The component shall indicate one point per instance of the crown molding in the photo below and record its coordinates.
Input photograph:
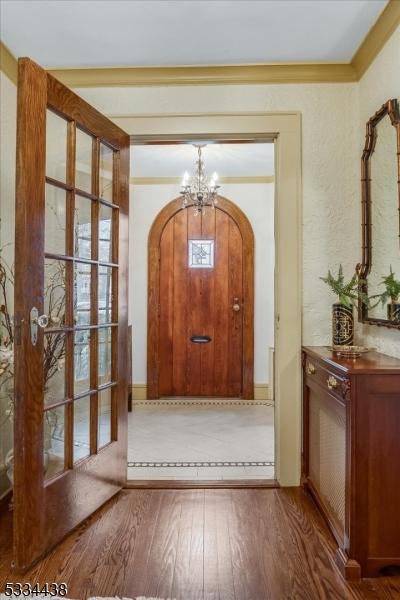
(279, 73)
(8, 63)
(177, 180)
(377, 37)
(207, 75)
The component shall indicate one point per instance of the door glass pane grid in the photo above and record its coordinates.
(90, 227)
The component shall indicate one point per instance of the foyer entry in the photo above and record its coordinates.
(201, 303)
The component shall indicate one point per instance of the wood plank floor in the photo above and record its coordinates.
(252, 544)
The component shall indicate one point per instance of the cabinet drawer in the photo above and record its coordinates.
(328, 379)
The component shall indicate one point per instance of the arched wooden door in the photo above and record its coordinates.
(201, 303)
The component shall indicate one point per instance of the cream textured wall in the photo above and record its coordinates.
(257, 202)
(330, 127)
(380, 82)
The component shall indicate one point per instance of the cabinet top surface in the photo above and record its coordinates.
(370, 362)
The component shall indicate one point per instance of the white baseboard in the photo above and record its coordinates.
(262, 391)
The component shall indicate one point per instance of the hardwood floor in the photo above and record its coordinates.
(200, 544)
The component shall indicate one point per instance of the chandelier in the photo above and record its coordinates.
(199, 190)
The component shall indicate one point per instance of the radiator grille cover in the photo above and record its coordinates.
(327, 454)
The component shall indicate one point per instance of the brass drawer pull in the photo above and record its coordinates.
(310, 369)
(332, 383)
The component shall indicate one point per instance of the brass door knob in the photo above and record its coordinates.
(236, 305)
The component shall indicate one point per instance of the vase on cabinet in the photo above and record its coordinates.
(342, 325)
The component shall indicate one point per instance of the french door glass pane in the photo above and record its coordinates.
(104, 355)
(82, 286)
(54, 291)
(82, 227)
(106, 173)
(54, 368)
(83, 168)
(55, 219)
(105, 231)
(82, 361)
(53, 425)
(105, 294)
(81, 428)
(104, 411)
(56, 146)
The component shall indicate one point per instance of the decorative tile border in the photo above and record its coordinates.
(158, 465)
(202, 403)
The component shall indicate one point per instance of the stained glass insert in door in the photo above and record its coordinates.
(201, 254)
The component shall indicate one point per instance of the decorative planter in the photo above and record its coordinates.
(342, 325)
(393, 311)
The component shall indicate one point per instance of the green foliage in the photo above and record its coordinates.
(392, 289)
(348, 293)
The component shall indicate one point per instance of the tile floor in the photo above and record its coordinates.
(192, 438)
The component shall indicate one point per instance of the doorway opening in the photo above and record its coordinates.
(203, 401)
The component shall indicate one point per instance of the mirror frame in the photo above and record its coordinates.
(390, 109)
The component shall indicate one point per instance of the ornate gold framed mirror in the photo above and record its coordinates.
(379, 269)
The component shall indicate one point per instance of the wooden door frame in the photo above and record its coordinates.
(284, 129)
(153, 294)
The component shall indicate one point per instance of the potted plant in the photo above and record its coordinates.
(348, 295)
(392, 293)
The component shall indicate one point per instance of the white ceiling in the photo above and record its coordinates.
(97, 33)
(228, 160)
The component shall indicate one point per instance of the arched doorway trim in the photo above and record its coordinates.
(153, 310)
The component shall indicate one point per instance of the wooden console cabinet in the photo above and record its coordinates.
(351, 454)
